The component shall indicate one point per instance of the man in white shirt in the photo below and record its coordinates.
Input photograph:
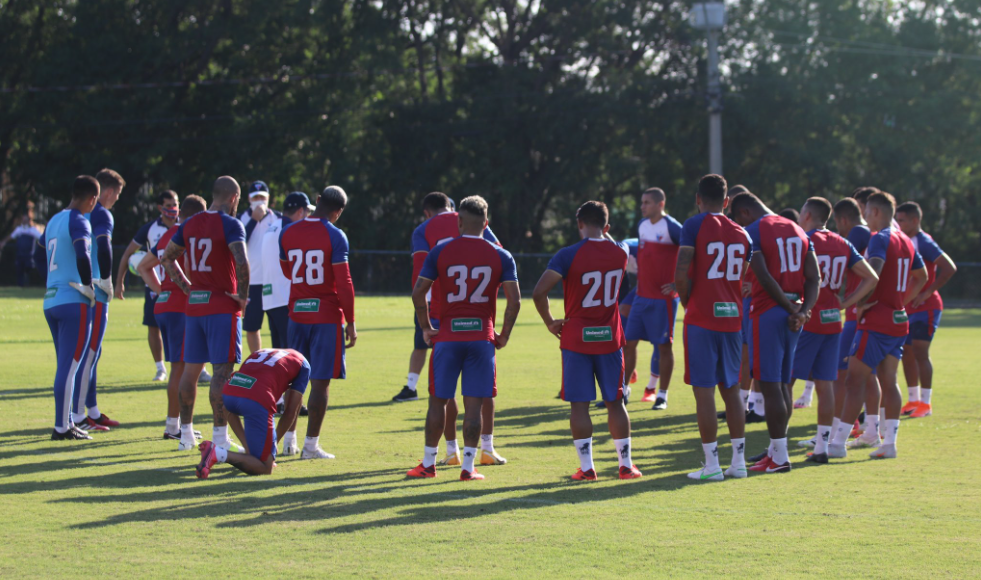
(257, 221)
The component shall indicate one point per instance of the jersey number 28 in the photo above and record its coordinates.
(314, 271)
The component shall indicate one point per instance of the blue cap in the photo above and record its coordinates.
(296, 200)
(259, 187)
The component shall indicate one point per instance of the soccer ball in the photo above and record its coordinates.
(134, 260)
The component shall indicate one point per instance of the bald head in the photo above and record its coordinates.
(225, 188)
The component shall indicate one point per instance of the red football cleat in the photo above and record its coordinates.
(420, 471)
(630, 472)
(856, 430)
(922, 410)
(581, 475)
(909, 407)
(88, 424)
(208, 460)
(470, 475)
(763, 465)
(105, 421)
(650, 395)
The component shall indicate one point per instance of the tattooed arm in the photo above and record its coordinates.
(241, 272)
(173, 269)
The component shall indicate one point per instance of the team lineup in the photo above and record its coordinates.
(762, 295)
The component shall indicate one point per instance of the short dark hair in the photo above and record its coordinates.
(594, 213)
(910, 208)
(475, 206)
(790, 214)
(848, 208)
(861, 194)
(819, 207)
(712, 188)
(742, 201)
(165, 195)
(435, 201)
(884, 201)
(656, 192)
(193, 204)
(85, 186)
(109, 178)
(737, 189)
(332, 199)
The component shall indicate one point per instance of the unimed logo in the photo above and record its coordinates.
(466, 324)
(307, 305)
(726, 310)
(597, 334)
(242, 381)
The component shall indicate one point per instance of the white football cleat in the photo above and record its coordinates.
(885, 452)
(317, 453)
(204, 377)
(704, 475)
(290, 448)
(802, 402)
(865, 440)
(160, 376)
(809, 443)
(187, 446)
(736, 472)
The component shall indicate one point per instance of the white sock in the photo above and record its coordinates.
(711, 451)
(451, 448)
(914, 393)
(925, 395)
(822, 439)
(160, 366)
(834, 426)
(745, 395)
(872, 425)
(487, 443)
(221, 454)
(289, 438)
(882, 415)
(77, 418)
(623, 452)
(758, 404)
(652, 384)
(808, 389)
(173, 424)
(585, 449)
(428, 455)
(412, 381)
(94, 412)
(662, 394)
(469, 454)
(187, 433)
(840, 435)
(219, 435)
(311, 443)
(780, 455)
(739, 452)
(891, 431)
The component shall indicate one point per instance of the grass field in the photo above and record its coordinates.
(127, 504)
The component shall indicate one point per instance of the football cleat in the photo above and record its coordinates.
(317, 453)
(660, 405)
(802, 403)
(420, 471)
(650, 395)
(922, 410)
(721, 415)
(704, 474)
(491, 458)
(160, 377)
(736, 472)
(762, 465)
(450, 460)
(885, 452)
(856, 430)
(290, 449)
(304, 411)
(754, 417)
(88, 424)
(176, 436)
(208, 460)
(758, 458)
(909, 407)
(601, 404)
(630, 472)
(470, 475)
(72, 434)
(782, 468)
(820, 458)
(581, 475)
(204, 377)
(837, 451)
(230, 446)
(187, 446)
(104, 420)
(808, 443)
(863, 441)
(406, 394)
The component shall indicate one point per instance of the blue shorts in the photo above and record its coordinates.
(652, 319)
(260, 435)
(171, 325)
(873, 347)
(923, 325)
(712, 357)
(579, 371)
(816, 357)
(214, 338)
(745, 330)
(322, 345)
(476, 360)
(847, 337)
(149, 301)
(252, 318)
(771, 350)
(419, 343)
(628, 300)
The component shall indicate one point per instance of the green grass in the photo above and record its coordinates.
(128, 504)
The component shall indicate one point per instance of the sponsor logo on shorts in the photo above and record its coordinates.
(899, 317)
(466, 324)
(597, 334)
(164, 296)
(50, 293)
(199, 297)
(307, 305)
(242, 381)
(830, 315)
(726, 310)
(267, 290)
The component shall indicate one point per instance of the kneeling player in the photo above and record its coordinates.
(250, 397)
(467, 272)
(590, 335)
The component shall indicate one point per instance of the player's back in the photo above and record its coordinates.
(887, 315)
(721, 249)
(309, 248)
(59, 235)
(783, 245)
(171, 297)
(858, 237)
(930, 251)
(211, 265)
(657, 256)
(835, 255)
(265, 376)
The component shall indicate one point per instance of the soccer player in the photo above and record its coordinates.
(70, 296)
(258, 219)
(467, 273)
(817, 353)
(169, 308)
(883, 325)
(708, 275)
(924, 312)
(110, 187)
(784, 291)
(313, 253)
(250, 397)
(656, 305)
(144, 240)
(217, 292)
(27, 235)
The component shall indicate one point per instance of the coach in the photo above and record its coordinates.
(257, 221)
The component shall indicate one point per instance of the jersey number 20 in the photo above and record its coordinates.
(611, 287)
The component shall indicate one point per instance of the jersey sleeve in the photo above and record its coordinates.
(753, 230)
(878, 246)
(674, 230)
(419, 243)
(142, 235)
(689, 232)
(490, 237)
(339, 247)
(302, 378)
(79, 227)
(429, 267)
(509, 269)
(853, 256)
(178, 237)
(859, 237)
(561, 262)
(234, 230)
(929, 249)
(102, 223)
(917, 261)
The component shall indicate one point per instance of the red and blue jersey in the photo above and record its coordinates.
(102, 227)
(211, 266)
(266, 374)
(887, 315)
(171, 297)
(437, 230)
(859, 237)
(721, 250)
(469, 271)
(930, 252)
(313, 254)
(783, 245)
(592, 271)
(835, 256)
(657, 256)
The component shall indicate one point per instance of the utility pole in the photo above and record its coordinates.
(711, 17)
